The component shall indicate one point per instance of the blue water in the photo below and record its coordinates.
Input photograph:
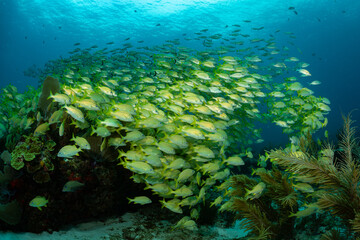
(327, 34)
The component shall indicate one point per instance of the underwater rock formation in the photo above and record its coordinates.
(11, 212)
(50, 86)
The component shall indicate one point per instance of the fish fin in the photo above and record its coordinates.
(292, 215)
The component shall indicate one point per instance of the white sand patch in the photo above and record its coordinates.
(144, 225)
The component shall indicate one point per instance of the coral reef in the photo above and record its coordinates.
(36, 155)
(165, 124)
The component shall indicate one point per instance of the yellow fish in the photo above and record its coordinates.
(81, 142)
(41, 129)
(256, 192)
(72, 186)
(38, 202)
(68, 151)
(75, 113)
(140, 200)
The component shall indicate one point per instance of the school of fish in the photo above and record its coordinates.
(179, 110)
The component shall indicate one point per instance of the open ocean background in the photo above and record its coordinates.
(327, 35)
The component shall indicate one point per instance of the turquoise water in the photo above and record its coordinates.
(327, 34)
(324, 33)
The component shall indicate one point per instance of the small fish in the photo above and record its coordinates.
(62, 129)
(256, 192)
(179, 141)
(72, 186)
(166, 148)
(88, 104)
(304, 72)
(109, 43)
(134, 136)
(116, 142)
(101, 131)
(173, 205)
(103, 145)
(138, 167)
(304, 187)
(190, 225)
(55, 117)
(111, 122)
(60, 98)
(75, 113)
(68, 151)
(314, 83)
(161, 188)
(184, 175)
(123, 116)
(140, 200)
(38, 202)
(204, 151)
(76, 44)
(81, 142)
(310, 209)
(193, 133)
(217, 201)
(41, 129)
(234, 161)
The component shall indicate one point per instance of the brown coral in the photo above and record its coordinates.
(50, 86)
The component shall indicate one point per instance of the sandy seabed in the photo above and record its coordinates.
(143, 225)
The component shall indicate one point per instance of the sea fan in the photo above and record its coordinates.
(338, 179)
(266, 216)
